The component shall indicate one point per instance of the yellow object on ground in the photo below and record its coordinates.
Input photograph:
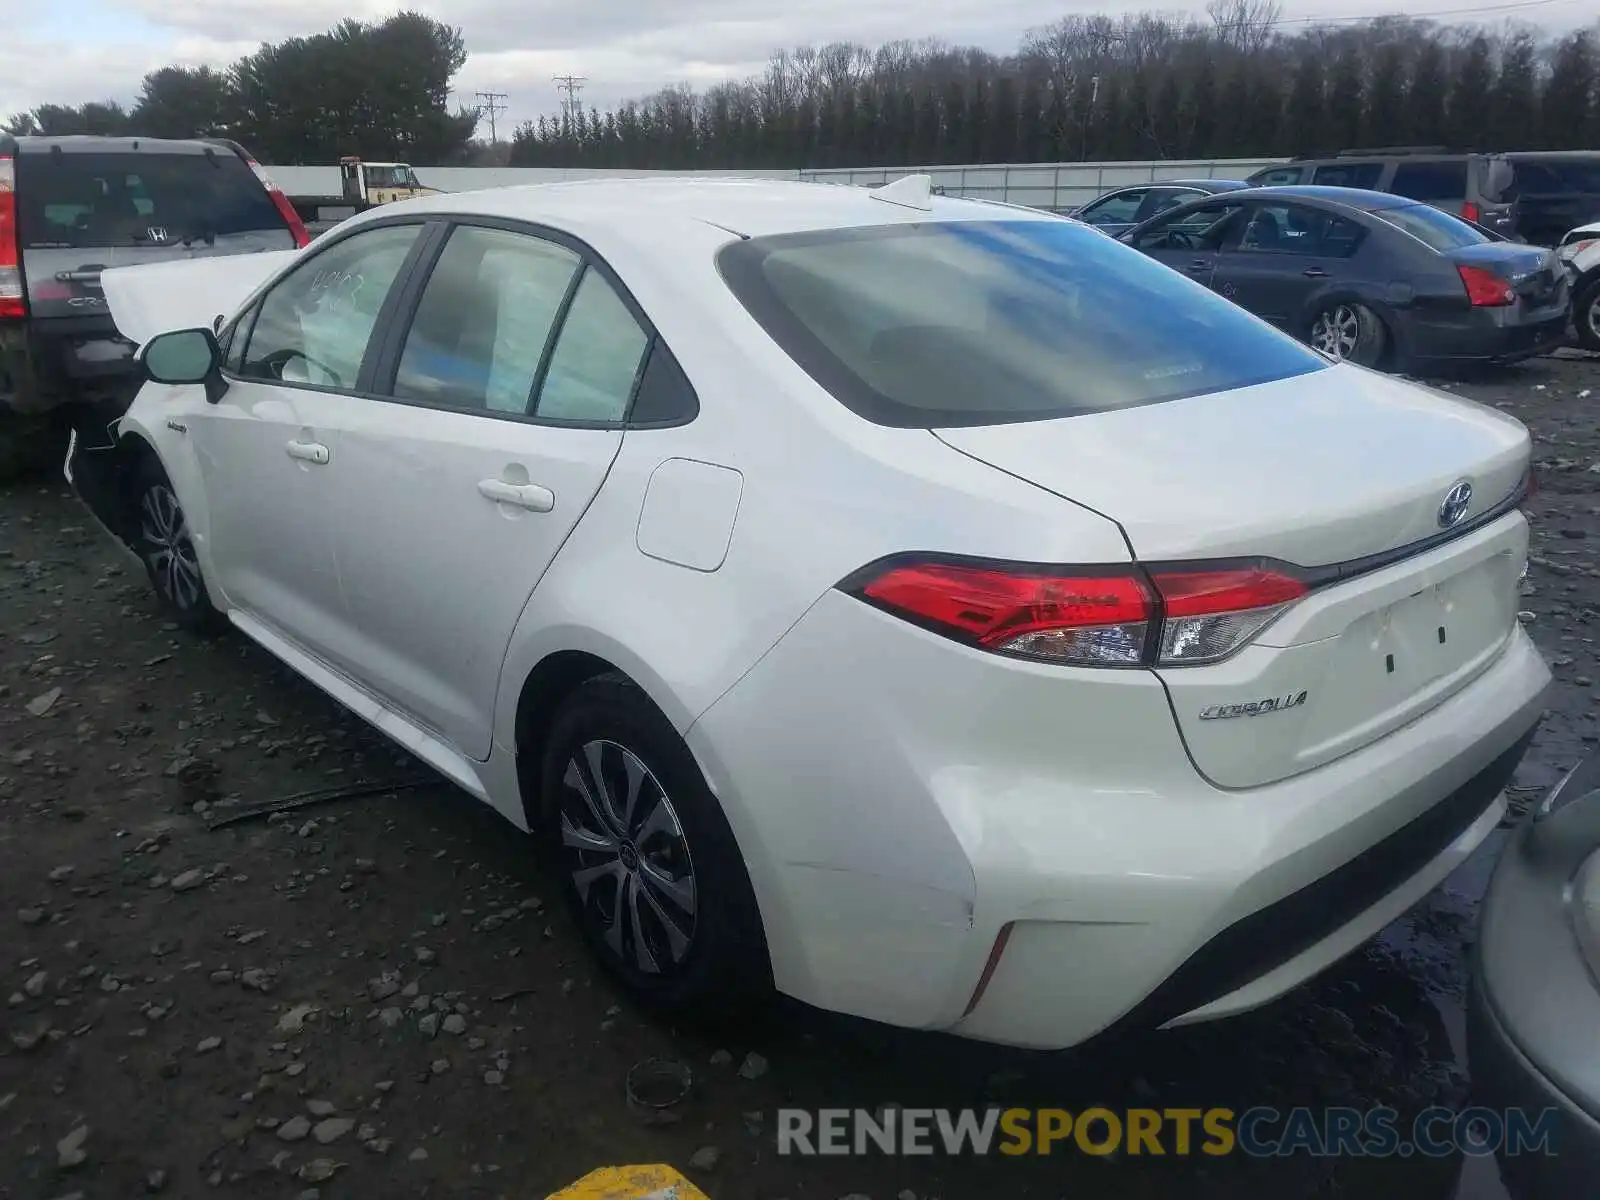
(631, 1183)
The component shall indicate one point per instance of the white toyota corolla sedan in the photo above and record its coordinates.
(931, 609)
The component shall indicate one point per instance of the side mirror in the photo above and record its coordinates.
(185, 356)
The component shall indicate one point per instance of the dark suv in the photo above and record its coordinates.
(1478, 187)
(71, 207)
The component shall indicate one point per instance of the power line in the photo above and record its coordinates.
(1439, 12)
(572, 85)
(491, 105)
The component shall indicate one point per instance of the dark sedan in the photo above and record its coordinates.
(1119, 211)
(1378, 279)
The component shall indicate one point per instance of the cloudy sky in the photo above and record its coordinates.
(71, 51)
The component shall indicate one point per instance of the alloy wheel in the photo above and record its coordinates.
(1592, 316)
(168, 547)
(628, 857)
(1336, 331)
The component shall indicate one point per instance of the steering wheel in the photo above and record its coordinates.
(278, 361)
(1181, 239)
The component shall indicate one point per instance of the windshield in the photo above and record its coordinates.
(1433, 226)
(976, 323)
(138, 199)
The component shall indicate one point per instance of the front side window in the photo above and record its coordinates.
(1119, 208)
(1277, 176)
(597, 357)
(485, 315)
(979, 322)
(314, 325)
(1203, 228)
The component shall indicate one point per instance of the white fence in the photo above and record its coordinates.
(1053, 186)
(1038, 185)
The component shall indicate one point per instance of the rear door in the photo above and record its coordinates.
(83, 209)
(495, 419)
(1285, 255)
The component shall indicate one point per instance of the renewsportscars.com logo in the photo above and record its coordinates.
(1256, 1132)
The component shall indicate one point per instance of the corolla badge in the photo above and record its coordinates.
(1455, 504)
(1255, 708)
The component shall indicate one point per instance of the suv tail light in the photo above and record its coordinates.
(291, 218)
(1485, 289)
(1168, 615)
(13, 303)
(1471, 212)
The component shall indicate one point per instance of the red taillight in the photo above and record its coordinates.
(1485, 289)
(291, 218)
(13, 303)
(1118, 616)
(1471, 212)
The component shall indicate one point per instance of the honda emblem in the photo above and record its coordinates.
(157, 233)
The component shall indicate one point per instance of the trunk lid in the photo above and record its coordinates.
(1317, 471)
(1534, 272)
(146, 300)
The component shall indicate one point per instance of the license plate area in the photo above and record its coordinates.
(1409, 646)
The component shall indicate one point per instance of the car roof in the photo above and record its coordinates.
(744, 207)
(79, 143)
(1216, 185)
(1360, 198)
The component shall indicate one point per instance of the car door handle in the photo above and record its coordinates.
(311, 452)
(1314, 273)
(524, 495)
(1200, 264)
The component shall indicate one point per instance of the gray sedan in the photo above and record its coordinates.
(1534, 1010)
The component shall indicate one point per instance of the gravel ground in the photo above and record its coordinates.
(369, 998)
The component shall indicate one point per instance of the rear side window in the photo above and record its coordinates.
(979, 322)
(1427, 224)
(138, 199)
(1350, 175)
(1431, 181)
(1119, 208)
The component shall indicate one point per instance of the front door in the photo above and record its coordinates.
(266, 448)
(506, 404)
(1189, 239)
(1286, 255)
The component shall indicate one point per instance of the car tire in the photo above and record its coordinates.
(159, 535)
(658, 889)
(1586, 314)
(1351, 332)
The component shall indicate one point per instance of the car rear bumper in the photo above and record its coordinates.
(56, 361)
(906, 806)
(1483, 335)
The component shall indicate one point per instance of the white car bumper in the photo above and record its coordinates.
(901, 800)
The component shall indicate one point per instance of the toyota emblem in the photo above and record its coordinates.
(1456, 502)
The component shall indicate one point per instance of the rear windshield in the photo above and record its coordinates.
(138, 199)
(977, 323)
(1554, 176)
(1433, 226)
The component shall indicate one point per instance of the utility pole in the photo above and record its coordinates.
(493, 104)
(572, 85)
